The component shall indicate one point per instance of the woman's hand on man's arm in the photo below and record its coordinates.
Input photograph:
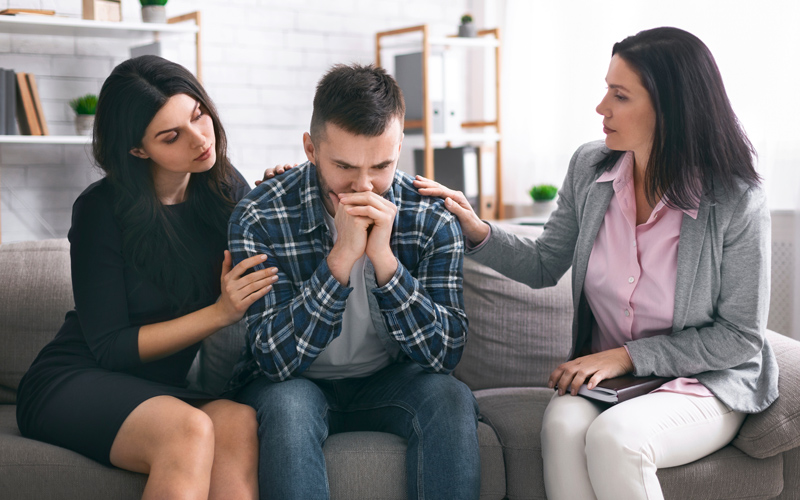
(471, 225)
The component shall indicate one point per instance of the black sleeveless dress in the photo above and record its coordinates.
(84, 384)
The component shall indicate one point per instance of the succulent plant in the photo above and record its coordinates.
(152, 2)
(466, 18)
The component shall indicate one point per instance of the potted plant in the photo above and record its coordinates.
(153, 11)
(467, 28)
(85, 108)
(544, 196)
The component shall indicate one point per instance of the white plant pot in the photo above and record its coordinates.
(84, 124)
(543, 208)
(154, 14)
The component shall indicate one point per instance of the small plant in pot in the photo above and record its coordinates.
(153, 11)
(467, 28)
(544, 196)
(85, 108)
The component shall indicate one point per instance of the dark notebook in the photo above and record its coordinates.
(620, 389)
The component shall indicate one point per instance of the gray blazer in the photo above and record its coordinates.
(721, 294)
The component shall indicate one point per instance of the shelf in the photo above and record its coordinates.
(70, 26)
(474, 138)
(45, 139)
(444, 42)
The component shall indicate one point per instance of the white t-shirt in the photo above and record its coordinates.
(357, 351)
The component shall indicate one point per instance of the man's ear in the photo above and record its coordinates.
(139, 153)
(308, 147)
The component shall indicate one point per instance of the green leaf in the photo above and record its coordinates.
(84, 105)
(543, 192)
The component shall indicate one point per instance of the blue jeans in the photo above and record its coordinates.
(435, 413)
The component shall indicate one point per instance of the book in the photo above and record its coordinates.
(621, 389)
(37, 104)
(11, 102)
(26, 113)
(39, 12)
(3, 93)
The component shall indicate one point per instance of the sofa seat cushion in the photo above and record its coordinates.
(517, 335)
(360, 465)
(373, 465)
(35, 295)
(516, 416)
(776, 429)
(31, 469)
(727, 474)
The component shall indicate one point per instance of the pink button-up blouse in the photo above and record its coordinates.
(630, 279)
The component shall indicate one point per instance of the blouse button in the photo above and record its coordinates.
(631, 280)
(627, 312)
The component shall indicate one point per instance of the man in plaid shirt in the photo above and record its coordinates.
(365, 320)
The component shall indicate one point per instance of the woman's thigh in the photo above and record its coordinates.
(669, 429)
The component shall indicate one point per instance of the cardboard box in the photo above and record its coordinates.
(102, 10)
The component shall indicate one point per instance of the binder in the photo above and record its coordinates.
(11, 102)
(3, 92)
(37, 104)
(26, 113)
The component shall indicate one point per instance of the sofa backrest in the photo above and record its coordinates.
(35, 295)
(517, 335)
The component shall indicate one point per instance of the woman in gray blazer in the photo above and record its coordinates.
(667, 231)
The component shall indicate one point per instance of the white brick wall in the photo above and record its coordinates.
(262, 59)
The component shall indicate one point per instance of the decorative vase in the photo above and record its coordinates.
(154, 14)
(84, 124)
(467, 30)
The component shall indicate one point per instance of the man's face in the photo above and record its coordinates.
(348, 163)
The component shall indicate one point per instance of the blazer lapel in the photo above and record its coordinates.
(690, 246)
(594, 212)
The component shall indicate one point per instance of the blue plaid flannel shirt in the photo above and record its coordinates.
(422, 305)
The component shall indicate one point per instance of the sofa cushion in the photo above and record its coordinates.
(35, 295)
(372, 465)
(516, 416)
(777, 428)
(217, 357)
(32, 470)
(727, 474)
(508, 321)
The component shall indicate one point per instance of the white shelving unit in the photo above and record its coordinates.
(487, 131)
(68, 26)
(45, 139)
(73, 27)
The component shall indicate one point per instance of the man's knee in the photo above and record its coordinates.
(450, 400)
(292, 406)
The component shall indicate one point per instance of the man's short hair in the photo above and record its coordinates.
(361, 99)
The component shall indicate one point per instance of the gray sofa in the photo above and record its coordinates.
(517, 336)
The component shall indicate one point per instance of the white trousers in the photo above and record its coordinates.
(614, 454)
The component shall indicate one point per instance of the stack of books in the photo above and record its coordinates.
(19, 98)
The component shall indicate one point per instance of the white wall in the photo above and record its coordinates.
(262, 59)
(556, 59)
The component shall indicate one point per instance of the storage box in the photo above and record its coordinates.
(102, 10)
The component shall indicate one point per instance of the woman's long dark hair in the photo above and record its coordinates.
(151, 240)
(698, 143)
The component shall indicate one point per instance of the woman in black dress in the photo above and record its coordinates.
(148, 247)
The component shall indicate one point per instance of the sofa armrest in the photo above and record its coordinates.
(776, 429)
